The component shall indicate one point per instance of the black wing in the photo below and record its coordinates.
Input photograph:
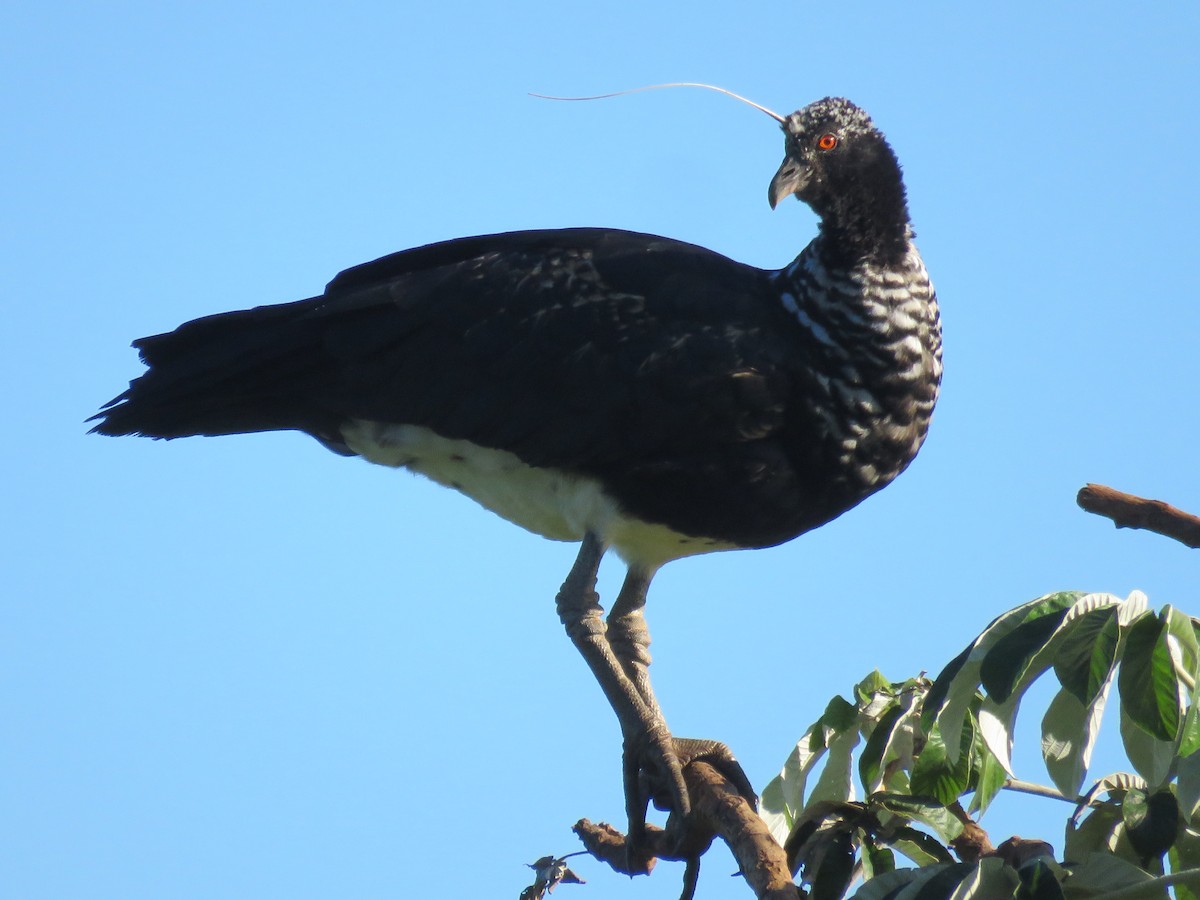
(638, 359)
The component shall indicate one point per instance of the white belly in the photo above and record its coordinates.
(554, 504)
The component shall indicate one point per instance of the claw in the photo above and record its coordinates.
(652, 769)
(652, 766)
(721, 758)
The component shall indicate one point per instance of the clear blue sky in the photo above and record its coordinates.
(246, 667)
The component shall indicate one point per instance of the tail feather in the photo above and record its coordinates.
(230, 373)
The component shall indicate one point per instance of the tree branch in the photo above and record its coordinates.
(717, 810)
(974, 841)
(1038, 790)
(1129, 511)
(1154, 887)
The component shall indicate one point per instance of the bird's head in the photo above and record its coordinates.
(841, 165)
(838, 163)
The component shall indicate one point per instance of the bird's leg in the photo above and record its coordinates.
(629, 638)
(630, 641)
(580, 612)
(642, 723)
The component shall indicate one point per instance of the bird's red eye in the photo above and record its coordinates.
(827, 141)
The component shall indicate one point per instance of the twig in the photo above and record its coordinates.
(1038, 790)
(717, 809)
(1017, 851)
(973, 842)
(608, 845)
(1154, 887)
(1130, 511)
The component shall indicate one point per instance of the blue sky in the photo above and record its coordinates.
(248, 668)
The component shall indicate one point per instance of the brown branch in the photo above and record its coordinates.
(1129, 511)
(717, 810)
(608, 845)
(1017, 851)
(973, 842)
(1036, 790)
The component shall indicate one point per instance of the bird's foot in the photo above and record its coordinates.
(721, 758)
(653, 770)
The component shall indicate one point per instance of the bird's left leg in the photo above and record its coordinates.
(629, 638)
(641, 721)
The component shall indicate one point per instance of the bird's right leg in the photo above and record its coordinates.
(642, 723)
(629, 638)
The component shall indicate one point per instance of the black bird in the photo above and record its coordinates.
(624, 390)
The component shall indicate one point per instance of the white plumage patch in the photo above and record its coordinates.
(554, 504)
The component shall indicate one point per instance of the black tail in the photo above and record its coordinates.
(231, 373)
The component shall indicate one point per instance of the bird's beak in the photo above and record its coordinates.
(791, 178)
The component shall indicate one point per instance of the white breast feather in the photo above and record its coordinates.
(555, 504)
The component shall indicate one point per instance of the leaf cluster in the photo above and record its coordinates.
(923, 747)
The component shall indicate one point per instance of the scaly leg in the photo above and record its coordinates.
(648, 743)
(630, 641)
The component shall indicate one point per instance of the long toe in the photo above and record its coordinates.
(652, 770)
(721, 758)
(685, 836)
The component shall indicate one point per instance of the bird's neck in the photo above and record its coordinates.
(871, 332)
(848, 283)
(873, 316)
(866, 221)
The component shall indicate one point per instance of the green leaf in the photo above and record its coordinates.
(1069, 731)
(925, 810)
(1188, 786)
(835, 782)
(934, 775)
(941, 886)
(880, 716)
(1149, 682)
(1085, 659)
(1151, 823)
(840, 715)
(774, 810)
(1189, 741)
(834, 870)
(1095, 834)
(820, 822)
(921, 848)
(1183, 856)
(1152, 758)
(1115, 784)
(936, 698)
(1100, 872)
(964, 696)
(1135, 807)
(783, 798)
(870, 761)
(954, 690)
(893, 884)
(996, 716)
(876, 860)
(1040, 880)
(1006, 663)
(1132, 607)
(989, 779)
(996, 727)
(1185, 650)
(873, 684)
(898, 754)
(990, 879)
